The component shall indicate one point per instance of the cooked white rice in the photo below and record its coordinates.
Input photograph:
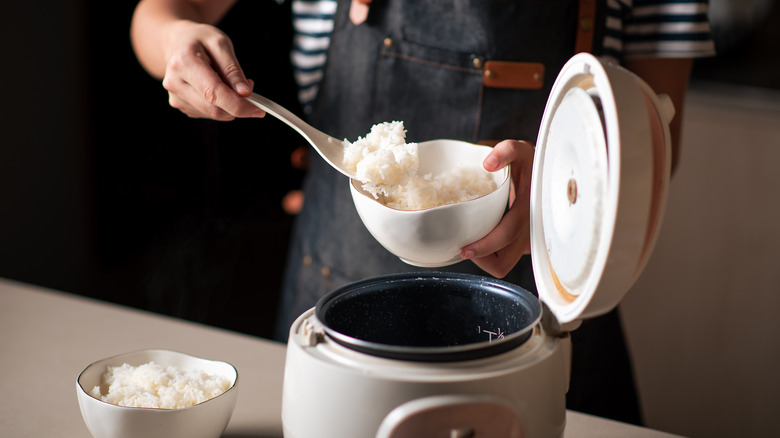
(387, 166)
(382, 156)
(153, 386)
(457, 185)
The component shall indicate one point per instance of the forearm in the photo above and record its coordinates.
(154, 26)
(668, 76)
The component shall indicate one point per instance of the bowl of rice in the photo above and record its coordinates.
(157, 394)
(442, 201)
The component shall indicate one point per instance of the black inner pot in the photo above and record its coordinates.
(429, 316)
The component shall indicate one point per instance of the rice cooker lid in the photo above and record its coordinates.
(600, 179)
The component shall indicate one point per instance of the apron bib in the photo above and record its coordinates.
(402, 63)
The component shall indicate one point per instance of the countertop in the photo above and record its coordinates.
(48, 337)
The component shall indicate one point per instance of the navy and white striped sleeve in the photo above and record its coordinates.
(313, 25)
(658, 28)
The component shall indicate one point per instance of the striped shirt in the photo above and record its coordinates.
(658, 28)
(312, 24)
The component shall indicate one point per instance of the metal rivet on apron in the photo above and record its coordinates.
(537, 77)
(388, 42)
(477, 62)
(489, 73)
(325, 271)
(586, 24)
(464, 432)
(307, 260)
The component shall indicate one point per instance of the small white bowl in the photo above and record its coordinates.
(433, 237)
(204, 420)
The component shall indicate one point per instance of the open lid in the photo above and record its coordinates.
(598, 190)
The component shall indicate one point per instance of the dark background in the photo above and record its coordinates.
(107, 192)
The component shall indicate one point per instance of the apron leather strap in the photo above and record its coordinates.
(516, 75)
(586, 24)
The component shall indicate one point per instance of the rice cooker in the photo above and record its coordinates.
(442, 354)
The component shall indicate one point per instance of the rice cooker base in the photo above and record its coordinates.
(333, 391)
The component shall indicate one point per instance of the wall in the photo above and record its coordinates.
(703, 317)
(45, 172)
(108, 192)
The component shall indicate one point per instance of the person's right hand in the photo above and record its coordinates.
(203, 76)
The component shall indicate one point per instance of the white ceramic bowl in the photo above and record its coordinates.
(204, 420)
(433, 237)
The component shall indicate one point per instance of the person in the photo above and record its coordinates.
(428, 64)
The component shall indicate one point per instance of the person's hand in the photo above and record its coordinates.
(499, 251)
(203, 76)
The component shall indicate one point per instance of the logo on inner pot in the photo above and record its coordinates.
(498, 334)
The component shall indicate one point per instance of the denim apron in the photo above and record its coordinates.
(424, 62)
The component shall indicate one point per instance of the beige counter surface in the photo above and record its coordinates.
(48, 337)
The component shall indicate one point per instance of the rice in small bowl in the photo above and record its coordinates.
(452, 202)
(157, 393)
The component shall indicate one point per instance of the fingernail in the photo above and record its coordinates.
(491, 162)
(469, 253)
(243, 88)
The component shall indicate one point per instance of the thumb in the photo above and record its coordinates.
(234, 76)
(226, 64)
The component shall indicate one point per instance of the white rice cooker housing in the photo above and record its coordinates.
(600, 179)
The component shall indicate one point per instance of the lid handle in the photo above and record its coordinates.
(666, 108)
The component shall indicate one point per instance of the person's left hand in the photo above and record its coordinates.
(499, 251)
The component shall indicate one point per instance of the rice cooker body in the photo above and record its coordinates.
(333, 391)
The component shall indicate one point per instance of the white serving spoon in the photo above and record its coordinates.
(331, 149)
